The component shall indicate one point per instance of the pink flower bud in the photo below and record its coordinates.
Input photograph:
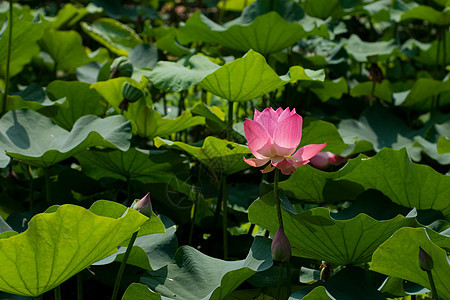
(323, 160)
(281, 248)
(144, 206)
(425, 260)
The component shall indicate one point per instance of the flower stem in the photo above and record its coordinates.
(122, 266)
(57, 292)
(230, 120)
(8, 56)
(280, 279)
(79, 287)
(277, 200)
(48, 191)
(223, 189)
(433, 286)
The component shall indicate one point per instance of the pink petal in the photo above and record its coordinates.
(284, 115)
(287, 135)
(256, 114)
(269, 120)
(321, 160)
(307, 152)
(257, 137)
(256, 162)
(286, 167)
(279, 111)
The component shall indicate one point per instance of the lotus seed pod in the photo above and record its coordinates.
(131, 93)
(121, 67)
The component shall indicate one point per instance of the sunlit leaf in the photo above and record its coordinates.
(81, 101)
(399, 257)
(145, 121)
(65, 48)
(220, 155)
(404, 182)
(24, 43)
(203, 277)
(318, 235)
(368, 51)
(379, 128)
(266, 34)
(313, 185)
(152, 251)
(33, 139)
(134, 164)
(112, 34)
(67, 245)
(429, 14)
(241, 80)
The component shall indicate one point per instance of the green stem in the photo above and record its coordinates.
(372, 92)
(433, 286)
(8, 56)
(280, 279)
(223, 188)
(122, 266)
(48, 191)
(230, 120)
(57, 292)
(79, 287)
(288, 278)
(277, 200)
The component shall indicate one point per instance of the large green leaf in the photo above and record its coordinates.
(24, 43)
(313, 185)
(33, 138)
(65, 48)
(419, 97)
(349, 283)
(429, 14)
(330, 89)
(58, 245)
(145, 121)
(404, 182)
(134, 164)
(14, 102)
(112, 34)
(368, 51)
(443, 145)
(318, 235)
(150, 252)
(68, 16)
(241, 80)
(319, 132)
(376, 129)
(268, 33)
(81, 101)
(382, 90)
(137, 291)
(220, 155)
(399, 257)
(152, 225)
(199, 276)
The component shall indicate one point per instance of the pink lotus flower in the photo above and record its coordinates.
(274, 136)
(323, 160)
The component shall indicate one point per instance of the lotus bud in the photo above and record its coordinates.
(425, 260)
(144, 206)
(281, 248)
(121, 67)
(130, 94)
(323, 160)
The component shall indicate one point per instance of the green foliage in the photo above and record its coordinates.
(107, 100)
